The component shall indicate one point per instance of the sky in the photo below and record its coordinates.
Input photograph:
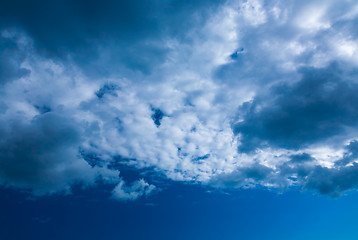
(169, 119)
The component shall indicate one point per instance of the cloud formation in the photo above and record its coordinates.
(137, 189)
(296, 115)
(253, 93)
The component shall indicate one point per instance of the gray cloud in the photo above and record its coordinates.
(136, 190)
(296, 115)
(332, 181)
(105, 37)
(255, 174)
(11, 57)
(350, 155)
(302, 169)
(42, 155)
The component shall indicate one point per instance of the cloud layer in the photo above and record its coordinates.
(252, 93)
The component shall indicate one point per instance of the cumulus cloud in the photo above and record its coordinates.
(296, 115)
(136, 190)
(252, 93)
(297, 170)
(41, 154)
(244, 177)
(331, 181)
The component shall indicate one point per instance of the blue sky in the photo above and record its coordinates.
(178, 119)
(181, 211)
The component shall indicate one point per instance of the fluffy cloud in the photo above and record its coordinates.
(252, 93)
(136, 190)
(41, 154)
(296, 115)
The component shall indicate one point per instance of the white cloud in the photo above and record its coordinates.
(136, 190)
(253, 12)
(195, 140)
(312, 18)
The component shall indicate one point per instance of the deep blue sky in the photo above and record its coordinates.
(180, 212)
(172, 119)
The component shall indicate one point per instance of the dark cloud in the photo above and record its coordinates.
(301, 158)
(103, 35)
(40, 155)
(245, 176)
(328, 181)
(11, 57)
(350, 155)
(333, 181)
(315, 108)
(91, 158)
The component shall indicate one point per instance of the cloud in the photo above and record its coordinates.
(41, 155)
(250, 176)
(253, 13)
(350, 155)
(301, 158)
(136, 190)
(11, 58)
(296, 115)
(332, 181)
(301, 170)
(103, 37)
(252, 93)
